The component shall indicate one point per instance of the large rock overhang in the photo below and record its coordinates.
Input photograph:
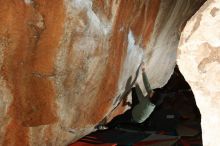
(66, 63)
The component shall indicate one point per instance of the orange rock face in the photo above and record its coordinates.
(64, 64)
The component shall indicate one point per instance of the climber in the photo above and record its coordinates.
(141, 108)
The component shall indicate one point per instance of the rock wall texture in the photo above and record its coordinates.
(65, 64)
(199, 61)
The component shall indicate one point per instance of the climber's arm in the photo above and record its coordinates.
(146, 83)
(139, 93)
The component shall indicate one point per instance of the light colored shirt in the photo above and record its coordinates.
(142, 110)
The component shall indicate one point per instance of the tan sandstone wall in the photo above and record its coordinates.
(199, 61)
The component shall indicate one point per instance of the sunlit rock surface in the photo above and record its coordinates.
(64, 64)
(199, 61)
